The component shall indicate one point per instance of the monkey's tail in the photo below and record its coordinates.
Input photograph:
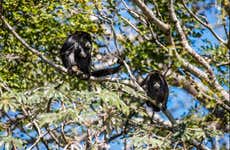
(107, 71)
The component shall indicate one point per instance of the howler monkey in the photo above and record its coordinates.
(156, 87)
(76, 51)
(76, 55)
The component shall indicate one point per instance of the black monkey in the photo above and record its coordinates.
(76, 55)
(156, 87)
(76, 52)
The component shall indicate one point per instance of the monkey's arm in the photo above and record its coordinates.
(66, 51)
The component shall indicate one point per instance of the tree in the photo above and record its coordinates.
(42, 107)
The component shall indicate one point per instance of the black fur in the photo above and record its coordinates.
(76, 52)
(108, 71)
(157, 88)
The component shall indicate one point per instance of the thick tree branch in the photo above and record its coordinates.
(200, 59)
(185, 43)
(193, 69)
(161, 25)
(203, 76)
(197, 90)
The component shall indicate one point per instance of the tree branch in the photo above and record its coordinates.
(197, 90)
(148, 13)
(39, 54)
(133, 13)
(200, 59)
(223, 64)
(185, 43)
(208, 26)
(132, 77)
(36, 52)
(199, 145)
(160, 24)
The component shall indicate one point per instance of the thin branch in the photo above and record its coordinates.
(63, 132)
(40, 137)
(115, 38)
(133, 13)
(36, 142)
(223, 64)
(11, 57)
(199, 145)
(208, 26)
(157, 9)
(36, 52)
(131, 25)
(132, 77)
(115, 136)
(135, 28)
(54, 136)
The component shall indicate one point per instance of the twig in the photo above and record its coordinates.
(63, 132)
(39, 136)
(133, 13)
(132, 77)
(131, 25)
(223, 64)
(208, 26)
(36, 52)
(199, 145)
